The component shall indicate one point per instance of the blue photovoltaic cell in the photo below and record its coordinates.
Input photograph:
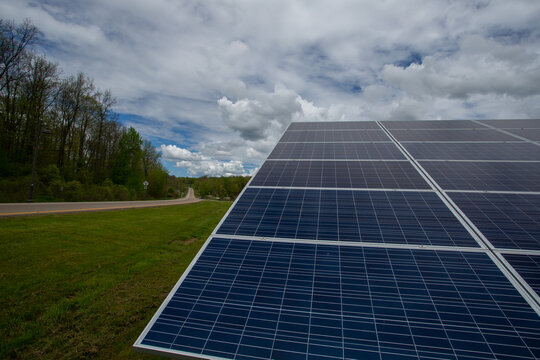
(272, 300)
(509, 221)
(432, 124)
(334, 125)
(531, 134)
(335, 136)
(514, 124)
(452, 135)
(343, 215)
(479, 175)
(387, 151)
(340, 174)
(528, 266)
(474, 151)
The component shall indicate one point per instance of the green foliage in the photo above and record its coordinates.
(226, 188)
(120, 192)
(96, 192)
(49, 174)
(7, 167)
(127, 167)
(73, 191)
(15, 189)
(57, 189)
(172, 194)
(79, 286)
(157, 179)
(85, 176)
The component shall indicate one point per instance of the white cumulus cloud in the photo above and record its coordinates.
(173, 152)
(213, 168)
(255, 118)
(197, 164)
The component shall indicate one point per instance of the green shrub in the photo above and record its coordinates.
(97, 193)
(108, 183)
(49, 174)
(15, 190)
(73, 191)
(171, 193)
(57, 189)
(85, 176)
(121, 193)
(157, 179)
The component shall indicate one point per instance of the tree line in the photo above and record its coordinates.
(84, 152)
(220, 188)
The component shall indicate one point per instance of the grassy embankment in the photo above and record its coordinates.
(85, 285)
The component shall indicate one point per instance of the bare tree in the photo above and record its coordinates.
(38, 95)
(72, 92)
(14, 40)
(100, 147)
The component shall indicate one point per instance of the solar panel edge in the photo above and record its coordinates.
(528, 258)
(528, 293)
(173, 353)
(366, 244)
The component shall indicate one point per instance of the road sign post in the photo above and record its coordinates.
(145, 184)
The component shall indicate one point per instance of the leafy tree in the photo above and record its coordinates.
(157, 179)
(127, 168)
(150, 157)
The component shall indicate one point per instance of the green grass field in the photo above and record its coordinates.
(85, 285)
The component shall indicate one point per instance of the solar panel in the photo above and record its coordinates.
(367, 216)
(480, 175)
(432, 124)
(340, 174)
(343, 246)
(272, 300)
(528, 267)
(335, 136)
(474, 151)
(452, 135)
(513, 124)
(334, 125)
(509, 221)
(334, 151)
(530, 134)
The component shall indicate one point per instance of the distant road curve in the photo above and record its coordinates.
(17, 209)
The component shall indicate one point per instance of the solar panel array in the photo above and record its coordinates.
(371, 240)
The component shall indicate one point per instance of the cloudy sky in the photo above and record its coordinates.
(214, 83)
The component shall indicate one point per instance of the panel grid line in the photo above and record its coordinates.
(508, 133)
